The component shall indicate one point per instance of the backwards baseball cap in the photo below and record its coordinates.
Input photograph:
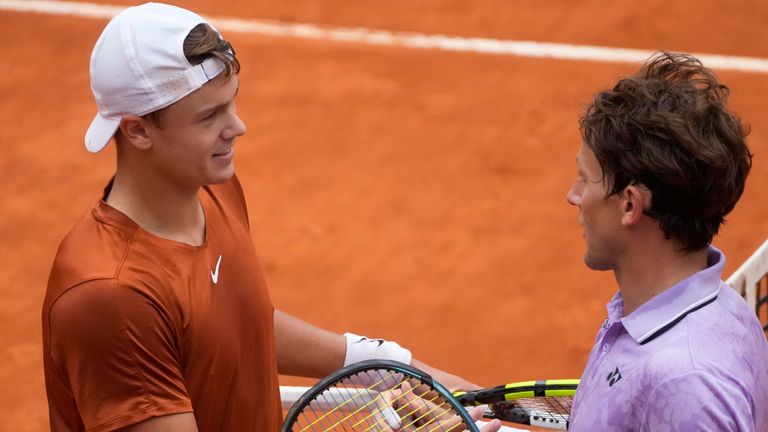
(138, 66)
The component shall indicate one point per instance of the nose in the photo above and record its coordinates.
(235, 129)
(574, 193)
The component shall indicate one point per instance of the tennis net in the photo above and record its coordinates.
(751, 281)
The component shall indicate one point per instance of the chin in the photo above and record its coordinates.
(222, 176)
(597, 263)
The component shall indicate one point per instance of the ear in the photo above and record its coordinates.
(136, 131)
(635, 199)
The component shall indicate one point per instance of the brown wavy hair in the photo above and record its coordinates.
(201, 43)
(667, 128)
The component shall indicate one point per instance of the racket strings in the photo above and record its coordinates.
(562, 405)
(339, 405)
(424, 401)
(431, 421)
(553, 405)
(556, 408)
(397, 411)
(429, 417)
(362, 400)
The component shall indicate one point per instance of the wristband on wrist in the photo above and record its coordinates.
(361, 348)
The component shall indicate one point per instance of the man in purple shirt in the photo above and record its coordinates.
(661, 164)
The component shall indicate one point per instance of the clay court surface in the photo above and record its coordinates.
(411, 194)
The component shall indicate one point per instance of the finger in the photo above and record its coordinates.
(391, 418)
(423, 391)
(384, 412)
(447, 423)
(476, 412)
(492, 426)
(422, 411)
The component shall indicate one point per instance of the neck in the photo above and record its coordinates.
(159, 207)
(645, 275)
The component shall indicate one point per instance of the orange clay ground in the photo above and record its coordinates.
(415, 195)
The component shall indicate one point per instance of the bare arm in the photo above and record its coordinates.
(184, 422)
(309, 351)
(306, 350)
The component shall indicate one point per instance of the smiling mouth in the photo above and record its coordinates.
(226, 152)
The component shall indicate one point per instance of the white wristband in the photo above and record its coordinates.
(361, 348)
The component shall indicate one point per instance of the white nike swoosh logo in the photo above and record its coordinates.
(215, 275)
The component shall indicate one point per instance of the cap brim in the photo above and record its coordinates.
(100, 132)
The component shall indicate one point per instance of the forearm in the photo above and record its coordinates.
(309, 351)
(306, 350)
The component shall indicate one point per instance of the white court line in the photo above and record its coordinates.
(401, 39)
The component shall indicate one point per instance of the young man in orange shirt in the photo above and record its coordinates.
(157, 316)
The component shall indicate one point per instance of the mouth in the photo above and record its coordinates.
(226, 153)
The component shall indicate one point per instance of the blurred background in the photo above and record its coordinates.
(412, 194)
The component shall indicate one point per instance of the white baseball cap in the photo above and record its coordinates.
(138, 66)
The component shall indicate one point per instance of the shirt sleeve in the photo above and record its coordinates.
(698, 401)
(117, 352)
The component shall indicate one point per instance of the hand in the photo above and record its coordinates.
(412, 408)
(449, 381)
(477, 413)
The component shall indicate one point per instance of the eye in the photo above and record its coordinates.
(210, 115)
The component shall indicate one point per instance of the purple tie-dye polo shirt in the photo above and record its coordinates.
(693, 358)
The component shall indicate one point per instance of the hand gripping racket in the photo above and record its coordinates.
(378, 395)
(356, 392)
(536, 403)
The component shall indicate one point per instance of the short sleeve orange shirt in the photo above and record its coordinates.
(136, 326)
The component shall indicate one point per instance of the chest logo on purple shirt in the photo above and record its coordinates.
(613, 377)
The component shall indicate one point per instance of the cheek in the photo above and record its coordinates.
(193, 141)
(590, 205)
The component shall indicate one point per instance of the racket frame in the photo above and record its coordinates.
(361, 367)
(501, 401)
(518, 390)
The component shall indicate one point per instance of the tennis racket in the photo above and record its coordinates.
(536, 403)
(378, 395)
(356, 389)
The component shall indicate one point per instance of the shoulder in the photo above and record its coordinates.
(103, 318)
(84, 317)
(711, 371)
(94, 249)
(722, 335)
(732, 306)
(717, 339)
(100, 305)
(698, 400)
(111, 351)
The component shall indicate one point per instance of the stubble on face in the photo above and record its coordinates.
(597, 214)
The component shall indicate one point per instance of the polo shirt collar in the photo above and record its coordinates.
(663, 311)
